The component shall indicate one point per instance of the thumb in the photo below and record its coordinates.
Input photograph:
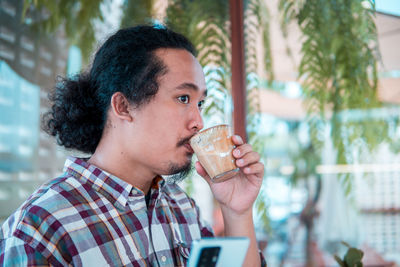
(202, 172)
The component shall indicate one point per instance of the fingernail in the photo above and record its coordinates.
(240, 162)
(239, 138)
(237, 152)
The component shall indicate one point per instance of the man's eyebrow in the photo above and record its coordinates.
(190, 86)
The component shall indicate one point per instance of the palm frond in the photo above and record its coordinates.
(338, 68)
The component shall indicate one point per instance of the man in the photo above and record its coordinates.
(134, 112)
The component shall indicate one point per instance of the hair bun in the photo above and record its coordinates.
(75, 118)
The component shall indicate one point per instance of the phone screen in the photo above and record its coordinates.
(218, 252)
(208, 257)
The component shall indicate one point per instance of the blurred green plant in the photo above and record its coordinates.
(305, 158)
(338, 73)
(352, 258)
(137, 12)
(77, 18)
(256, 27)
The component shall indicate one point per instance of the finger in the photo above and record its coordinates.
(248, 159)
(242, 150)
(256, 169)
(237, 140)
(202, 172)
(200, 169)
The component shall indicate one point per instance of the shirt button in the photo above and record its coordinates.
(163, 258)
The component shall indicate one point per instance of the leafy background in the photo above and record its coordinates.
(337, 71)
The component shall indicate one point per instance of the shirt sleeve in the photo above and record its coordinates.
(263, 261)
(205, 228)
(15, 252)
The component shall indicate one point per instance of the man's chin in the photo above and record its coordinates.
(189, 155)
(178, 173)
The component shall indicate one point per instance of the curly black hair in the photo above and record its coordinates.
(124, 63)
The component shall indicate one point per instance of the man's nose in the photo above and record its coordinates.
(196, 122)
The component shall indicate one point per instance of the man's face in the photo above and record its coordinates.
(162, 128)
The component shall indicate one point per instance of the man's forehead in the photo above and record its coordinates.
(182, 68)
(167, 54)
(177, 59)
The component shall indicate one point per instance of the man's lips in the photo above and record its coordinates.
(185, 142)
(188, 147)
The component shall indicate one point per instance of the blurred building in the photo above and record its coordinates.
(29, 63)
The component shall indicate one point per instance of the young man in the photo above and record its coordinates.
(134, 112)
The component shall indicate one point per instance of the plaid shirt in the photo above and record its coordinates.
(89, 217)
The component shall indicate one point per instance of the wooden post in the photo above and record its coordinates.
(238, 68)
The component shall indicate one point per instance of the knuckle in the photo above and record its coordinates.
(246, 148)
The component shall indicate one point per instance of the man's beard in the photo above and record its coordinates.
(177, 173)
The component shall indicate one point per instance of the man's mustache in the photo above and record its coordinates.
(184, 141)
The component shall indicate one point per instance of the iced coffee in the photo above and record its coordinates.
(213, 148)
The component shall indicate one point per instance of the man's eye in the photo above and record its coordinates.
(184, 99)
(201, 104)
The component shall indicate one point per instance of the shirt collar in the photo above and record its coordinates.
(111, 187)
(116, 191)
(156, 186)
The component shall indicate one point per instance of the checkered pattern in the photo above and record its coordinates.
(88, 217)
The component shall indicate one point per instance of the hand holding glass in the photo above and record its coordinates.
(213, 148)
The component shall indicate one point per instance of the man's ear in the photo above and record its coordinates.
(120, 106)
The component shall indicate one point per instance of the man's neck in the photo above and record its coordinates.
(119, 165)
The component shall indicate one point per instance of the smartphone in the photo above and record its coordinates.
(218, 252)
